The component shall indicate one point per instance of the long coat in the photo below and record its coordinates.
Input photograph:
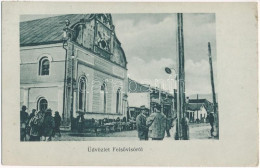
(157, 125)
(48, 125)
(141, 127)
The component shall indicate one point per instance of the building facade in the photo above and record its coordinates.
(141, 94)
(73, 64)
(198, 110)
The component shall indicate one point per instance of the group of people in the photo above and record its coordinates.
(155, 125)
(39, 125)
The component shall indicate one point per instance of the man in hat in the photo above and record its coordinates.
(23, 123)
(211, 121)
(141, 124)
(157, 124)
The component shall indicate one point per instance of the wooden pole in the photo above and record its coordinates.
(213, 90)
(197, 106)
(181, 74)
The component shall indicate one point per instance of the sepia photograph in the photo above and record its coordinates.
(138, 76)
(130, 84)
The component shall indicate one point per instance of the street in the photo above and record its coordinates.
(197, 131)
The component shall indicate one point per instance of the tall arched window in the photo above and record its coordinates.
(118, 100)
(42, 104)
(82, 94)
(103, 98)
(44, 66)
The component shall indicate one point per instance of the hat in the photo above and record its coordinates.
(158, 106)
(56, 112)
(24, 107)
(49, 110)
(143, 107)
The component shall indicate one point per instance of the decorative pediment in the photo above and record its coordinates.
(97, 33)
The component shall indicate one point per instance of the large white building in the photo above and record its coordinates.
(73, 64)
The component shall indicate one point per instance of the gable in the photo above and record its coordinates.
(94, 32)
(97, 33)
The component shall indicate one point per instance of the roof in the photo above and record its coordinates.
(135, 87)
(207, 104)
(197, 100)
(41, 31)
(195, 107)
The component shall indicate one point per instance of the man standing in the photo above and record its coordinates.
(34, 128)
(57, 120)
(211, 121)
(141, 124)
(48, 125)
(169, 122)
(157, 124)
(23, 123)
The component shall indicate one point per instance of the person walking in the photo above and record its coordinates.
(23, 123)
(48, 125)
(35, 126)
(142, 129)
(157, 124)
(211, 121)
(57, 120)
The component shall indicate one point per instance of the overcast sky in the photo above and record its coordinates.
(149, 42)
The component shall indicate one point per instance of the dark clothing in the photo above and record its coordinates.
(157, 139)
(211, 118)
(34, 138)
(185, 128)
(80, 120)
(31, 116)
(141, 127)
(57, 120)
(211, 121)
(168, 133)
(24, 117)
(23, 124)
(212, 129)
(169, 123)
(168, 126)
(40, 115)
(48, 125)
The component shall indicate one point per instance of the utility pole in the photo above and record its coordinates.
(197, 106)
(213, 90)
(181, 73)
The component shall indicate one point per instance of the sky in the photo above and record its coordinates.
(149, 42)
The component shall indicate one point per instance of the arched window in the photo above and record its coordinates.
(118, 100)
(42, 104)
(82, 94)
(103, 98)
(44, 66)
